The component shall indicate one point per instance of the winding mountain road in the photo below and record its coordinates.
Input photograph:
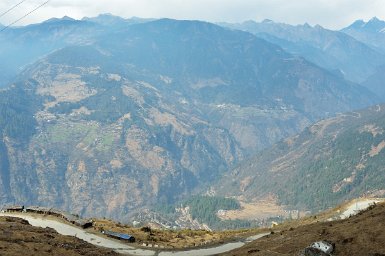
(123, 248)
(69, 230)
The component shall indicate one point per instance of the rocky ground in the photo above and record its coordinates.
(362, 234)
(17, 237)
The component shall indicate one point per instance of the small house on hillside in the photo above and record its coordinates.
(83, 223)
(15, 208)
(120, 236)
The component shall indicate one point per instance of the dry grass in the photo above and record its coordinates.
(172, 239)
(358, 235)
(250, 211)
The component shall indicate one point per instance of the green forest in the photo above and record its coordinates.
(205, 209)
(318, 177)
(17, 108)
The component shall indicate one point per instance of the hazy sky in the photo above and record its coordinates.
(328, 13)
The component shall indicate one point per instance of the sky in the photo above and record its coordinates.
(332, 14)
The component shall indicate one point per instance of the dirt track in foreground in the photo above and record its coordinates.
(360, 235)
(17, 238)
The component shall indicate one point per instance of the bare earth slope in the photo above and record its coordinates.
(17, 237)
(358, 235)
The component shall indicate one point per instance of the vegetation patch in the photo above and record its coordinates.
(204, 209)
(17, 108)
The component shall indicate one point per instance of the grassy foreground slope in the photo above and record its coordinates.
(17, 237)
(358, 235)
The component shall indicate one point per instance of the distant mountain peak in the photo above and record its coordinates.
(373, 25)
(64, 18)
(374, 19)
(371, 32)
(358, 24)
(104, 18)
(107, 14)
(249, 22)
(166, 23)
(267, 21)
(108, 19)
(103, 15)
(67, 18)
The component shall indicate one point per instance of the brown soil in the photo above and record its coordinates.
(17, 237)
(250, 211)
(358, 235)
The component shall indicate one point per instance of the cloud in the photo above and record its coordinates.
(328, 13)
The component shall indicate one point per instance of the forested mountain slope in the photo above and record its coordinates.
(331, 161)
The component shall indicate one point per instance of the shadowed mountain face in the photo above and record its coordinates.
(151, 112)
(332, 50)
(334, 160)
(371, 33)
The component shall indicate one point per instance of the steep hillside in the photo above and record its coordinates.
(153, 112)
(109, 147)
(358, 235)
(334, 160)
(332, 50)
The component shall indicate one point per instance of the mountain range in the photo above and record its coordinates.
(106, 116)
(338, 51)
